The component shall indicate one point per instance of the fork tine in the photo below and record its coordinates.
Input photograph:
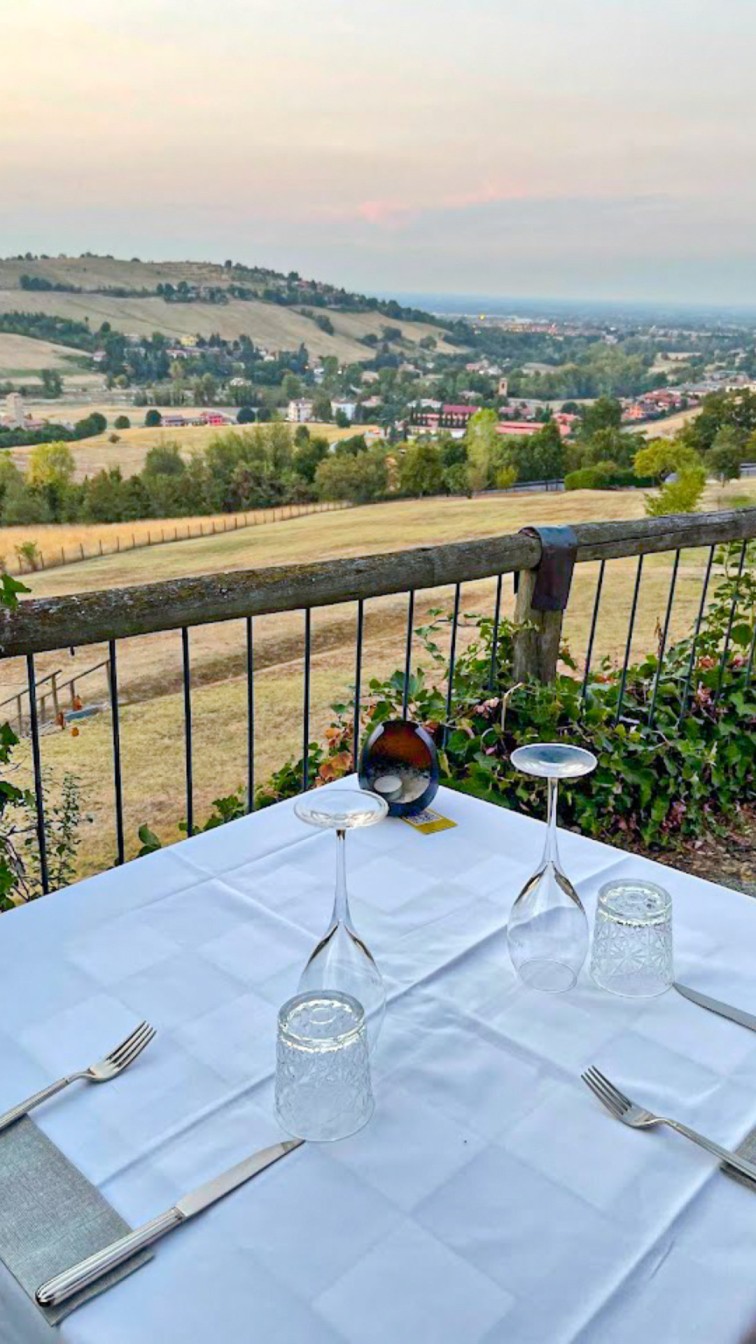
(605, 1094)
(115, 1054)
(136, 1049)
(606, 1102)
(619, 1095)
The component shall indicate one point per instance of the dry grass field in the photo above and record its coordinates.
(62, 544)
(98, 453)
(267, 324)
(21, 355)
(668, 427)
(150, 666)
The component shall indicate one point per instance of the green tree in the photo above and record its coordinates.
(245, 415)
(52, 383)
(308, 454)
(482, 442)
(539, 457)
(421, 471)
(164, 459)
(604, 413)
(153, 418)
(291, 387)
(673, 458)
(103, 497)
(321, 407)
(357, 479)
(51, 465)
(727, 453)
(122, 422)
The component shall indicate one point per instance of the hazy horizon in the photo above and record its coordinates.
(582, 150)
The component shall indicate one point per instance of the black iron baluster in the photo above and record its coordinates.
(358, 682)
(250, 716)
(663, 642)
(592, 634)
(38, 793)
(187, 731)
(495, 635)
(116, 726)
(408, 651)
(696, 632)
(630, 628)
(730, 623)
(751, 657)
(452, 658)
(306, 704)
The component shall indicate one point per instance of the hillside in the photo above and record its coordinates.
(21, 355)
(274, 310)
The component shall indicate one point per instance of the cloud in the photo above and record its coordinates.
(396, 214)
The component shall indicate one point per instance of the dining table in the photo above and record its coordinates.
(490, 1199)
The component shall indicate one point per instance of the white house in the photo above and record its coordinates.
(347, 408)
(299, 411)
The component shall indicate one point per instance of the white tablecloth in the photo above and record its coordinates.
(490, 1200)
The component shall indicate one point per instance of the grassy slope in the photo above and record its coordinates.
(150, 667)
(268, 324)
(23, 355)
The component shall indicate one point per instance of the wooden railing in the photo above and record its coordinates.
(47, 624)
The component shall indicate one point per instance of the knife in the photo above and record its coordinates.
(714, 1006)
(80, 1276)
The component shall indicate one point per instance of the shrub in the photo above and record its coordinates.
(655, 783)
(604, 476)
(122, 422)
(153, 418)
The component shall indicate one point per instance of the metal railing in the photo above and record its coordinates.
(51, 624)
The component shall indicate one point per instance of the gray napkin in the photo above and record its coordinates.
(51, 1217)
(746, 1149)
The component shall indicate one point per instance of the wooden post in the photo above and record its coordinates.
(72, 689)
(20, 708)
(54, 689)
(537, 639)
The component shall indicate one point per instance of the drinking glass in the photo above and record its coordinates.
(632, 939)
(548, 929)
(323, 1089)
(341, 960)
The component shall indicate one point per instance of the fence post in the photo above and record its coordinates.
(81, 548)
(542, 595)
(20, 708)
(54, 689)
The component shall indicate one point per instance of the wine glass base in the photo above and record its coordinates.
(551, 977)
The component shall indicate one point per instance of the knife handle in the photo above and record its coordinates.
(78, 1277)
(733, 1160)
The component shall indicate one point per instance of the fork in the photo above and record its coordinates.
(101, 1072)
(637, 1117)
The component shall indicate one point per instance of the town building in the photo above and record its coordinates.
(299, 411)
(15, 416)
(347, 408)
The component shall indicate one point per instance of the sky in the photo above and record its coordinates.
(599, 149)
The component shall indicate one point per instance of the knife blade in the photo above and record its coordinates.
(738, 1015)
(80, 1276)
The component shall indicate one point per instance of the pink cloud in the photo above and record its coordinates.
(396, 214)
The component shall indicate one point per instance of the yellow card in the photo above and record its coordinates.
(428, 822)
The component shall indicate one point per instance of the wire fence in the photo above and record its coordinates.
(31, 559)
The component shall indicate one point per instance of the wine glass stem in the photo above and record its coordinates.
(550, 850)
(341, 900)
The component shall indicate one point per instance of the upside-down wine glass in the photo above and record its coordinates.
(341, 960)
(548, 929)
